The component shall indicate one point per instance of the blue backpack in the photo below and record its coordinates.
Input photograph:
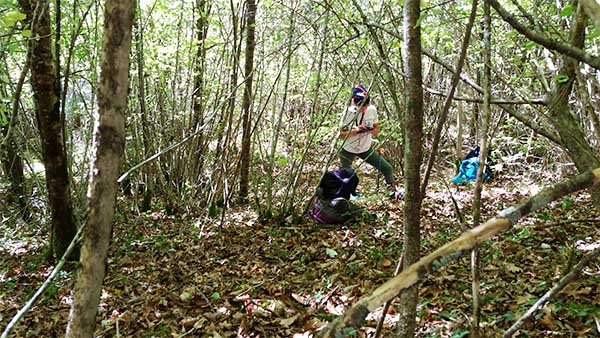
(468, 168)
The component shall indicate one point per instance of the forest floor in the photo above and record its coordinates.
(188, 275)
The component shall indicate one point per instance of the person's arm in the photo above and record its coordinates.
(345, 132)
(375, 130)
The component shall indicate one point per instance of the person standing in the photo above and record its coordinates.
(357, 128)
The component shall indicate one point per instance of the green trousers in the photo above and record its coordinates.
(373, 158)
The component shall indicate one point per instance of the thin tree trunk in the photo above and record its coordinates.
(109, 140)
(277, 125)
(389, 80)
(460, 122)
(413, 135)
(455, 79)
(12, 161)
(46, 97)
(197, 154)
(483, 145)
(245, 157)
(148, 172)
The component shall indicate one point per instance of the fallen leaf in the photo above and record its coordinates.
(286, 322)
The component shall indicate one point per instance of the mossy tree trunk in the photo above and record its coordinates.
(46, 97)
(108, 145)
(413, 155)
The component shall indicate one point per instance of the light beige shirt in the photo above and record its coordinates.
(359, 143)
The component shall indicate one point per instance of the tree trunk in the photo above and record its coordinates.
(573, 139)
(9, 151)
(203, 8)
(413, 156)
(460, 122)
(147, 172)
(46, 97)
(109, 139)
(245, 157)
(13, 168)
(483, 146)
(592, 9)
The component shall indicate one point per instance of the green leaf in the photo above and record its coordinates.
(330, 252)
(215, 296)
(9, 19)
(349, 331)
(567, 11)
(561, 78)
(529, 45)
(3, 118)
(26, 33)
(422, 17)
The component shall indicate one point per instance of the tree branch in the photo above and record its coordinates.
(499, 101)
(355, 315)
(561, 47)
(572, 275)
(540, 129)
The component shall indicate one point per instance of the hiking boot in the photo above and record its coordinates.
(397, 195)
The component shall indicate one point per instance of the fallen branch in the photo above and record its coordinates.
(573, 274)
(355, 315)
(44, 286)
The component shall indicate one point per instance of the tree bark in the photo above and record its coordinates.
(148, 173)
(354, 316)
(483, 149)
(592, 9)
(245, 157)
(9, 150)
(413, 144)
(50, 122)
(573, 139)
(109, 140)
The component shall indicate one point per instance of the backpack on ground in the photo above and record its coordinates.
(468, 167)
(332, 202)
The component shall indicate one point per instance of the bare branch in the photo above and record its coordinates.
(561, 47)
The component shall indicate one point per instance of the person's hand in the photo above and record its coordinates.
(363, 129)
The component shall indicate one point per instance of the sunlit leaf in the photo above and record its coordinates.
(567, 11)
(561, 78)
(3, 118)
(9, 19)
(26, 33)
(330, 252)
(529, 45)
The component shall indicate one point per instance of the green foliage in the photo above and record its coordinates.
(567, 11)
(331, 253)
(9, 19)
(561, 78)
(460, 333)
(566, 203)
(3, 117)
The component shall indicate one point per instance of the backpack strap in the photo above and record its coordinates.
(344, 180)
